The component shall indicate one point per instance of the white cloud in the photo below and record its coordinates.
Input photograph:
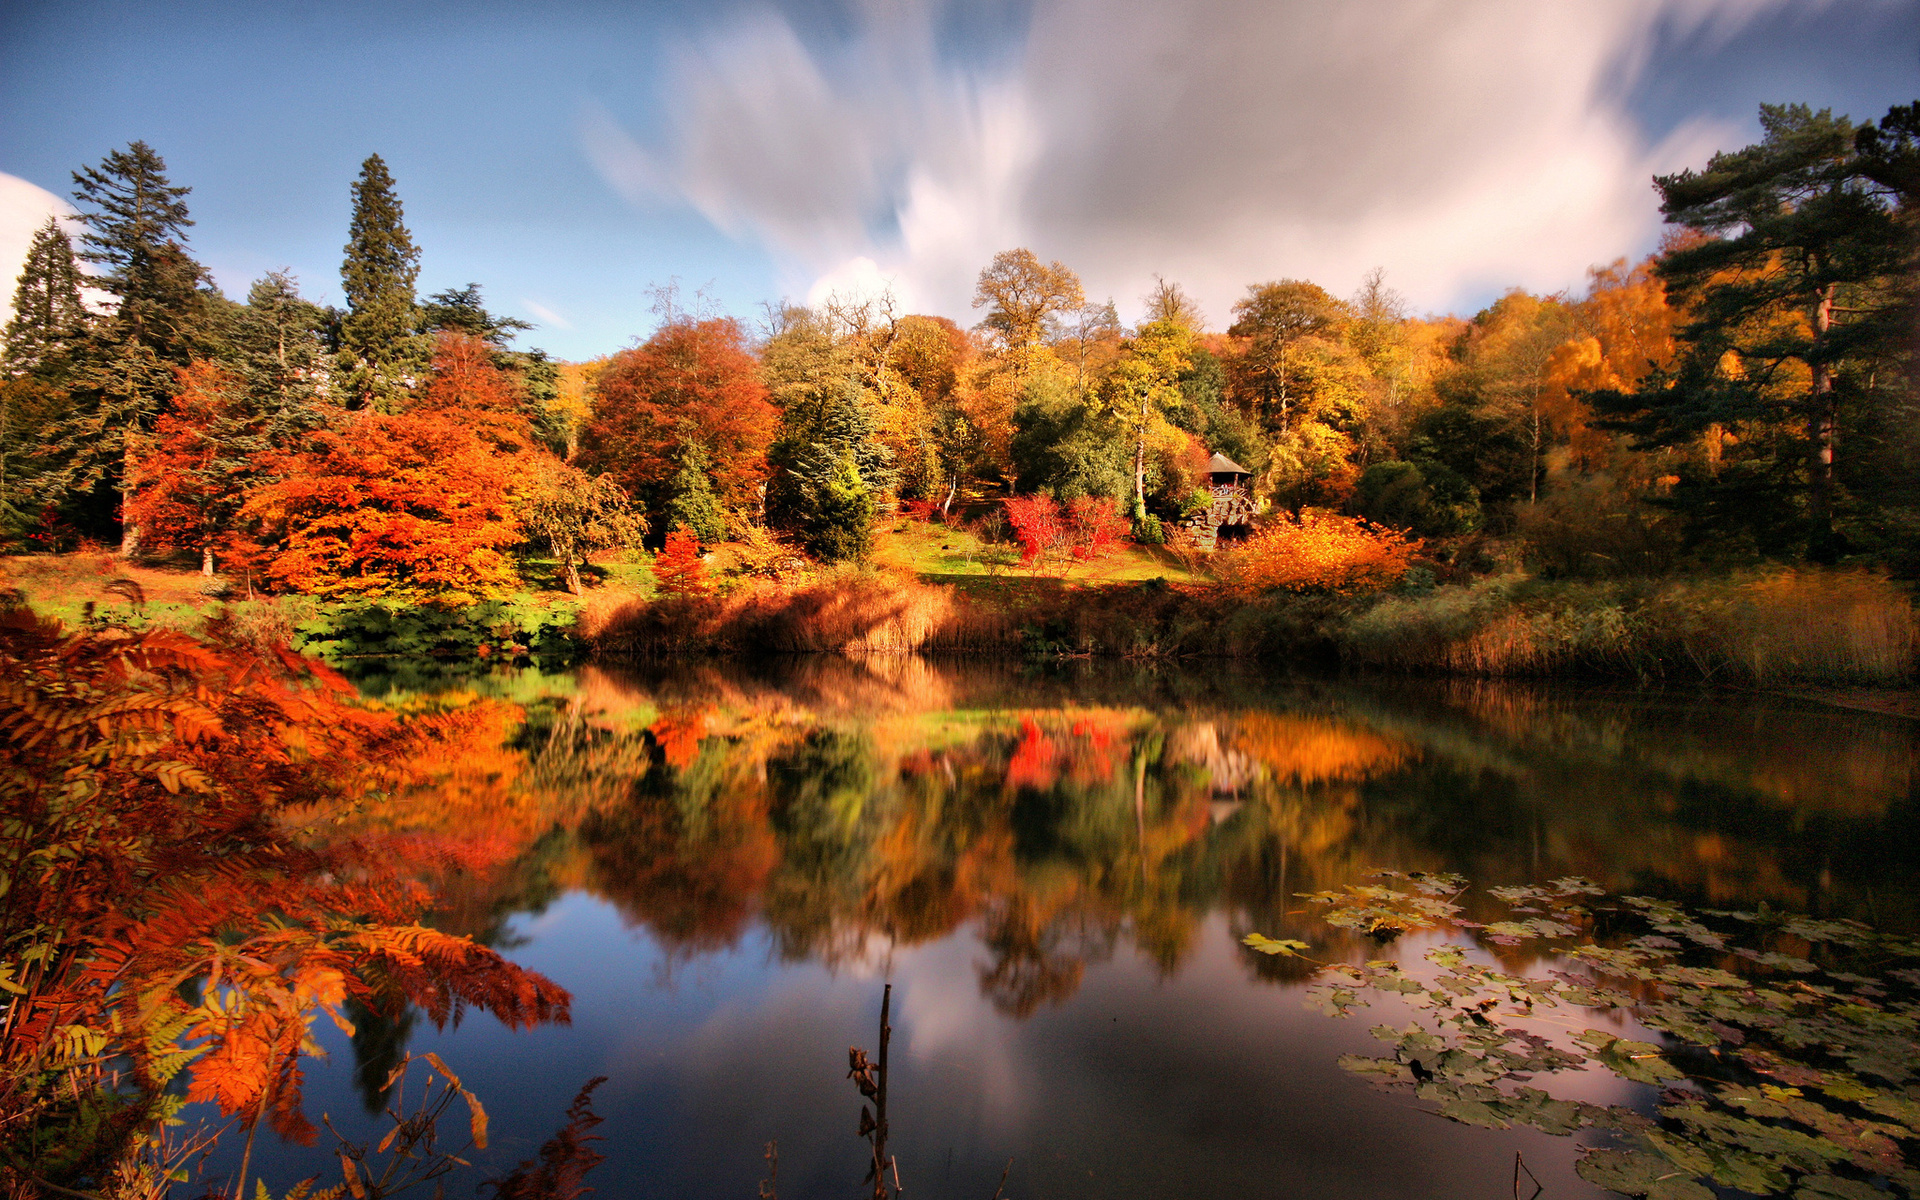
(1217, 142)
(24, 208)
(544, 314)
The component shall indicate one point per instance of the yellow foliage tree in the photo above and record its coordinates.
(1320, 552)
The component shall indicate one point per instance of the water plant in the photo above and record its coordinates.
(1777, 1053)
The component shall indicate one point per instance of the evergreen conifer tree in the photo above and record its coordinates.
(694, 506)
(834, 468)
(277, 345)
(379, 344)
(49, 319)
(136, 231)
(1792, 282)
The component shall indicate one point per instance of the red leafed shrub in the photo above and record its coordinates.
(677, 569)
(1094, 527)
(1087, 528)
(1038, 524)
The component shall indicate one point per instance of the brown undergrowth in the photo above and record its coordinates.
(1780, 627)
(873, 612)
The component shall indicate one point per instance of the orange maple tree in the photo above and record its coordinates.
(408, 506)
(692, 382)
(191, 476)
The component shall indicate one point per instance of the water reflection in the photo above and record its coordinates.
(840, 804)
(1047, 860)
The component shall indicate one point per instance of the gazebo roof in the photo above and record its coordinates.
(1220, 464)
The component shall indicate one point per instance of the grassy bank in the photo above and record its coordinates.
(1760, 629)
(1781, 627)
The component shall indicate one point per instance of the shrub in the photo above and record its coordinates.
(677, 569)
(1320, 552)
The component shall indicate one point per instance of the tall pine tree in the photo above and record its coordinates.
(276, 342)
(136, 232)
(49, 320)
(380, 348)
(1792, 282)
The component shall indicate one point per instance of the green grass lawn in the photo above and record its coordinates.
(942, 554)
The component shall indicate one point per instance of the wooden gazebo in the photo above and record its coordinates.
(1230, 517)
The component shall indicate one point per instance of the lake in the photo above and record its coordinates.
(1054, 868)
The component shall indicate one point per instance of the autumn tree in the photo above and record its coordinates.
(1793, 297)
(378, 351)
(575, 514)
(1168, 303)
(692, 381)
(1024, 297)
(1272, 319)
(930, 354)
(192, 475)
(1141, 392)
(411, 507)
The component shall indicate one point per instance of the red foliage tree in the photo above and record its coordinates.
(693, 381)
(1088, 527)
(1038, 524)
(1095, 527)
(411, 506)
(191, 477)
(678, 569)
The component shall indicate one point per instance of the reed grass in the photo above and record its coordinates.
(1768, 628)
(1807, 626)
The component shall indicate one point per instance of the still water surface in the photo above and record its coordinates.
(1054, 869)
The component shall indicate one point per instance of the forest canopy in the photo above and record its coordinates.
(1746, 393)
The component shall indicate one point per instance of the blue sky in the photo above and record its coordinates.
(566, 156)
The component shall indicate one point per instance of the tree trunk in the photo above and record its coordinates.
(1140, 465)
(1820, 436)
(206, 561)
(573, 575)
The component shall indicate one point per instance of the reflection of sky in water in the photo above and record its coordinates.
(1141, 1085)
(718, 867)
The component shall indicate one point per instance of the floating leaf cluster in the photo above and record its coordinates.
(1785, 1049)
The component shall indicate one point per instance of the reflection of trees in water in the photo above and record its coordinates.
(379, 1043)
(700, 809)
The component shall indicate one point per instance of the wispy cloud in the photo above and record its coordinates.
(545, 315)
(1217, 142)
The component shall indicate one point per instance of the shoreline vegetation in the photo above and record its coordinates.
(1761, 628)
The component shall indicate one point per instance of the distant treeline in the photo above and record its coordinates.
(1746, 394)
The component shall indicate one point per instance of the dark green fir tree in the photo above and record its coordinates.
(137, 234)
(694, 505)
(831, 469)
(50, 321)
(162, 317)
(380, 347)
(277, 342)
